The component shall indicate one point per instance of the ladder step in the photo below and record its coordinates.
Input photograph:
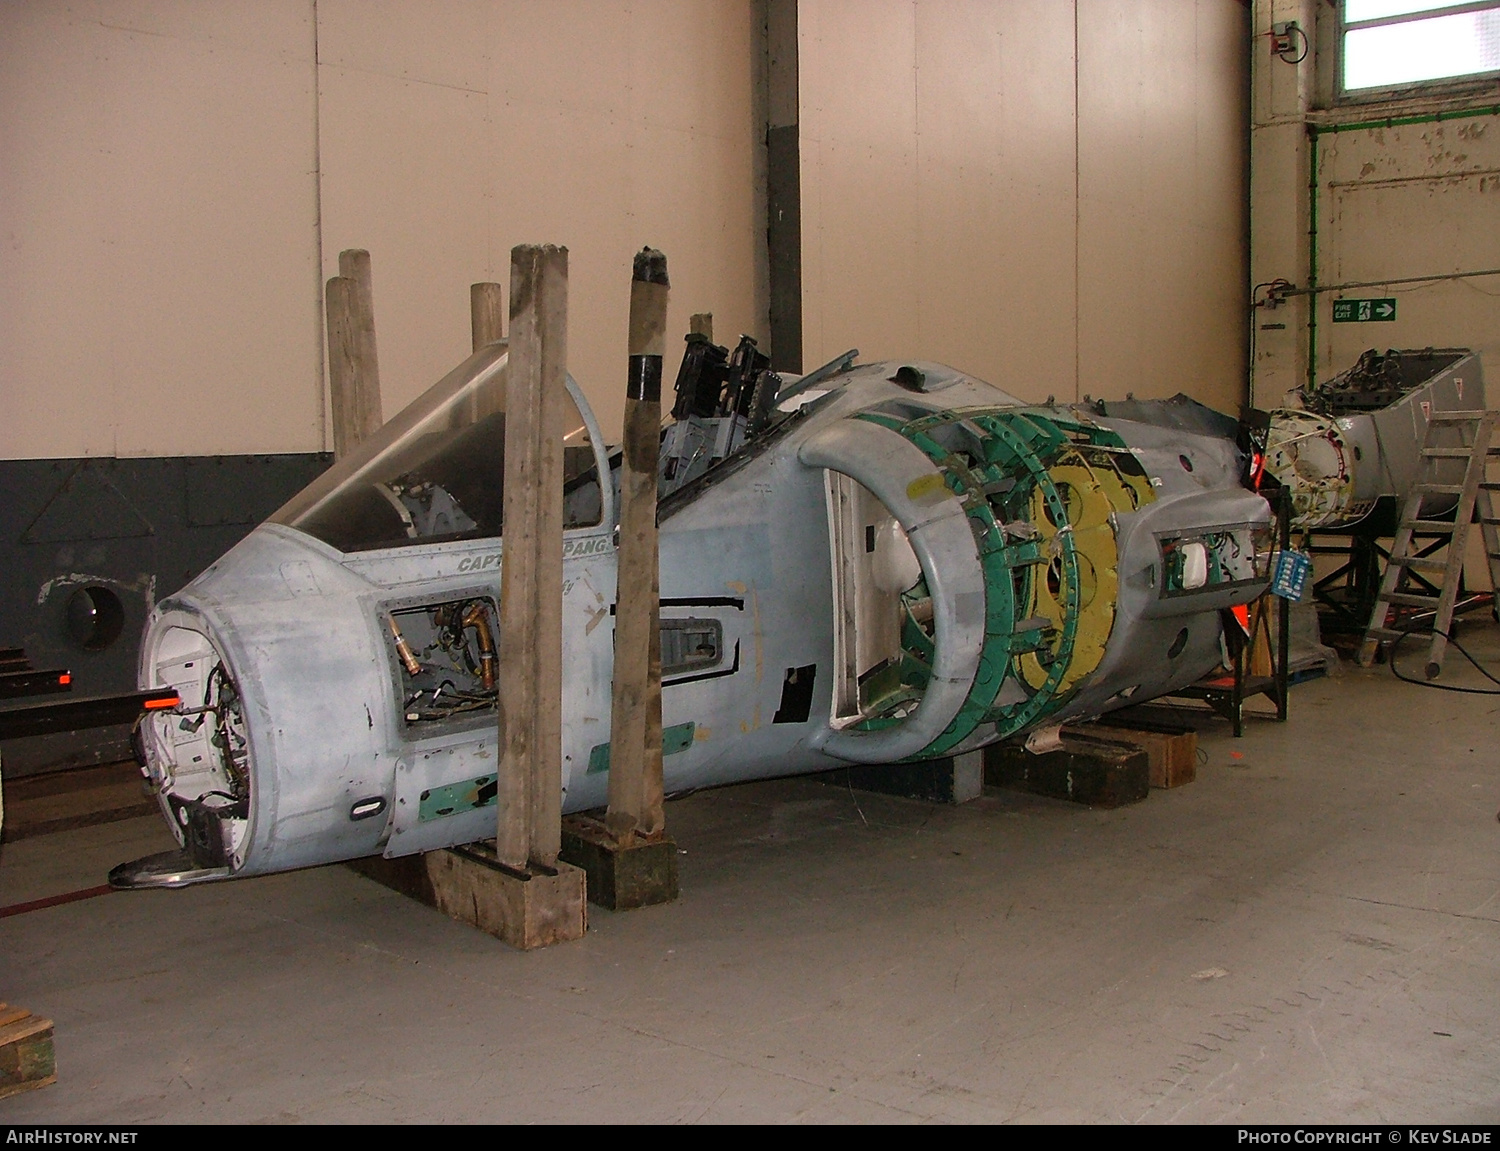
(1489, 519)
(1408, 599)
(1431, 525)
(1455, 417)
(1452, 453)
(1489, 486)
(1443, 489)
(1419, 562)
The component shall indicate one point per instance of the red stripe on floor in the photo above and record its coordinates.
(54, 900)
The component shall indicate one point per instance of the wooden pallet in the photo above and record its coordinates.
(78, 797)
(26, 1057)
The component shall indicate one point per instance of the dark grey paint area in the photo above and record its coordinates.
(139, 528)
(783, 186)
(784, 246)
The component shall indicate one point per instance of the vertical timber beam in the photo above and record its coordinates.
(341, 301)
(519, 890)
(486, 314)
(353, 365)
(783, 186)
(629, 859)
(530, 776)
(635, 768)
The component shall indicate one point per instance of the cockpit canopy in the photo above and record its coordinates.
(436, 472)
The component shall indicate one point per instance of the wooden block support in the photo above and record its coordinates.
(620, 877)
(1098, 772)
(525, 909)
(1171, 749)
(955, 779)
(27, 1060)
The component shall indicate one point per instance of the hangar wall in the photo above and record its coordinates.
(158, 199)
(1405, 186)
(1051, 196)
(1048, 195)
(180, 177)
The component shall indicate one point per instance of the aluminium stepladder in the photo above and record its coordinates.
(1476, 432)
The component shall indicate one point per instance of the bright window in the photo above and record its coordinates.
(1398, 43)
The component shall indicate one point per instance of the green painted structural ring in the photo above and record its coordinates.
(1017, 445)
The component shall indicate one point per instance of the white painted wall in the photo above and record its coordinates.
(1049, 195)
(178, 177)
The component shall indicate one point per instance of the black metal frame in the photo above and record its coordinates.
(1226, 694)
(1346, 595)
(42, 717)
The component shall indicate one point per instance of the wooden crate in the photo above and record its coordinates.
(1172, 749)
(1092, 769)
(26, 1057)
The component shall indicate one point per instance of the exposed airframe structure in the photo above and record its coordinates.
(1359, 436)
(867, 564)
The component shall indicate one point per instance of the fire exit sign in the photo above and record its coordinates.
(1363, 311)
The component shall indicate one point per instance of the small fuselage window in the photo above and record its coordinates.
(689, 645)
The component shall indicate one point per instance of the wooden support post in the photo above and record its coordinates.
(518, 889)
(353, 366)
(629, 859)
(530, 779)
(486, 313)
(342, 296)
(635, 767)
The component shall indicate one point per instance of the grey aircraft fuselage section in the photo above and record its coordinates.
(904, 563)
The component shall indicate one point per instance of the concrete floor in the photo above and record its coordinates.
(1309, 932)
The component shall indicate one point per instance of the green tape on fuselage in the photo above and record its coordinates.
(455, 798)
(674, 739)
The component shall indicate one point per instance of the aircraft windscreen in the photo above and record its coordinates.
(436, 472)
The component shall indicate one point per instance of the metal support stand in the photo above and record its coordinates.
(1226, 691)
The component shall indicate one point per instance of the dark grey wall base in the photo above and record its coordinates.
(105, 540)
(64, 751)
